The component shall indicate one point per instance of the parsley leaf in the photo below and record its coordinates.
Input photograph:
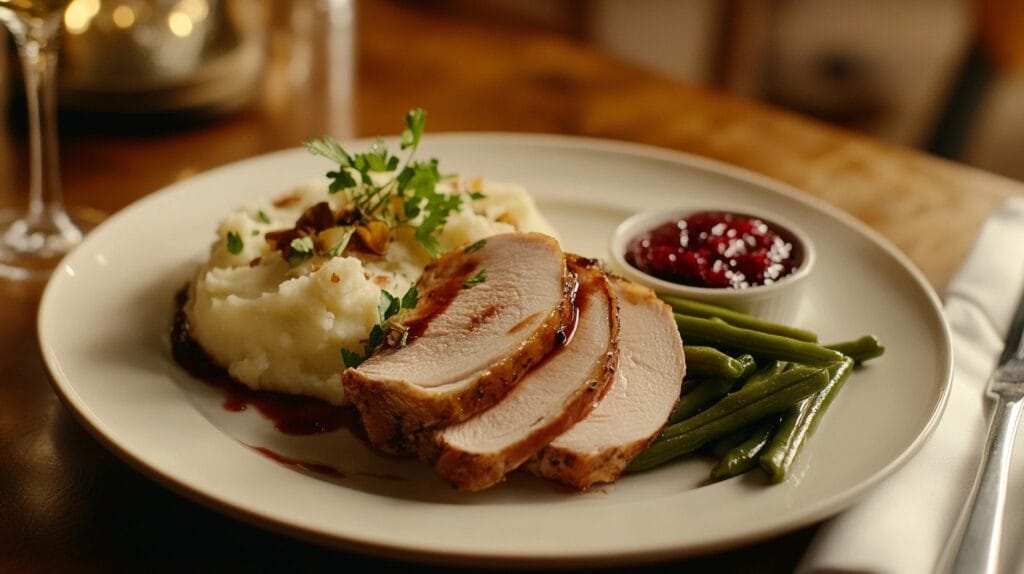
(376, 159)
(475, 246)
(235, 244)
(351, 358)
(414, 122)
(301, 250)
(375, 339)
(438, 207)
(262, 217)
(477, 195)
(411, 297)
(418, 184)
(340, 180)
(475, 280)
(415, 183)
(429, 242)
(302, 244)
(388, 306)
(330, 149)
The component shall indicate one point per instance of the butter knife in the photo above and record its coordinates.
(974, 545)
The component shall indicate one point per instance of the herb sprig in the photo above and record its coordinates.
(475, 280)
(415, 182)
(235, 243)
(301, 250)
(387, 308)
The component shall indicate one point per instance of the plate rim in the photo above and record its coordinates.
(825, 508)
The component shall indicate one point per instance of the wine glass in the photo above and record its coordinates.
(33, 241)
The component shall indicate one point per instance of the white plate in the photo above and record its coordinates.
(104, 323)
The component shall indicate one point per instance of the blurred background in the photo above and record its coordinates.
(944, 76)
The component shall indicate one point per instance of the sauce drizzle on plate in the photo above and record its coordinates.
(292, 415)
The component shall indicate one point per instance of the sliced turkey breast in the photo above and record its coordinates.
(637, 404)
(486, 314)
(478, 452)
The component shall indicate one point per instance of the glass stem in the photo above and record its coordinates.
(39, 62)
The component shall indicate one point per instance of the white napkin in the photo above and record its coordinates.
(902, 526)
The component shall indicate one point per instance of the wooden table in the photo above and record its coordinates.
(68, 504)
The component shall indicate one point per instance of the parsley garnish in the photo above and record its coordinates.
(415, 120)
(235, 244)
(475, 280)
(415, 182)
(411, 297)
(262, 217)
(351, 358)
(301, 250)
(255, 232)
(329, 149)
(477, 196)
(475, 246)
(374, 340)
(302, 244)
(387, 307)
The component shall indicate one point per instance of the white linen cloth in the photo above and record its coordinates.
(903, 525)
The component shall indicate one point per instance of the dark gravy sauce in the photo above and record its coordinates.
(290, 414)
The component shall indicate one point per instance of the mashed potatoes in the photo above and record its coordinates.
(280, 326)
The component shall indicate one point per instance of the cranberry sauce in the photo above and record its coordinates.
(290, 414)
(716, 249)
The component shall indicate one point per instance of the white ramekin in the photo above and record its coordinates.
(779, 302)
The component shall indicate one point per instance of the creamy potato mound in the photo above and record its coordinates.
(279, 327)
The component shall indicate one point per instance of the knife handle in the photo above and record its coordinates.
(976, 539)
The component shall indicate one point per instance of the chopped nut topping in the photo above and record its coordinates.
(313, 220)
(372, 237)
(286, 200)
(396, 334)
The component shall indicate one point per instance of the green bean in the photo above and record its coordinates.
(705, 331)
(749, 365)
(863, 349)
(765, 373)
(720, 446)
(723, 444)
(733, 412)
(704, 362)
(705, 394)
(743, 456)
(737, 319)
(799, 422)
